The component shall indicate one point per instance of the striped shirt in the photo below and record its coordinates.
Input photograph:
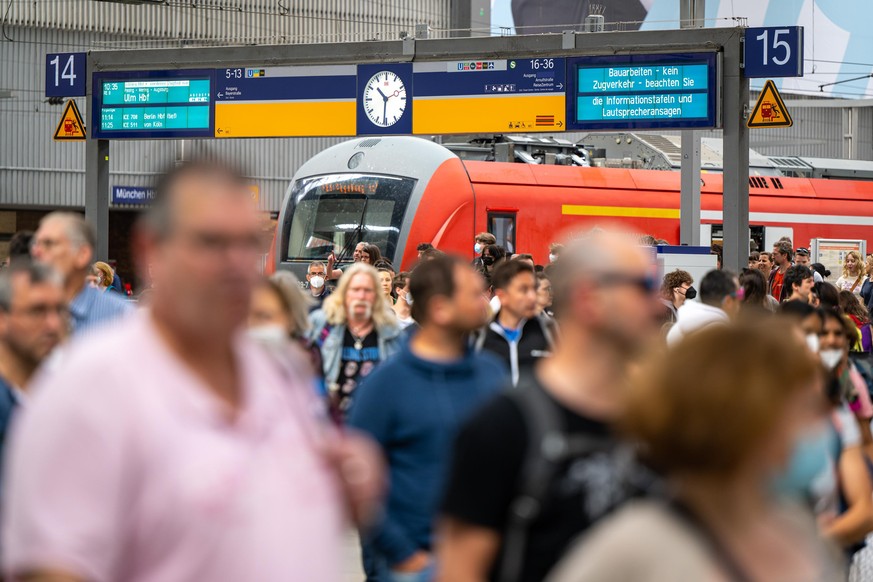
(92, 307)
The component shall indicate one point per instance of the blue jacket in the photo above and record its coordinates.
(329, 340)
(413, 408)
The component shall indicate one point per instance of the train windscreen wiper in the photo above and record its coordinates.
(358, 232)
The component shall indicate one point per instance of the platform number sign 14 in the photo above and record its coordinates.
(773, 52)
(65, 74)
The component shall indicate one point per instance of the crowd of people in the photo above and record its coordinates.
(484, 419)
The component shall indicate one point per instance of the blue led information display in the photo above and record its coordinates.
(642, 92)
(151, 104)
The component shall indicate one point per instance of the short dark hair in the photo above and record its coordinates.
(523, 257)
(754, 256)
(36, 273)
(821, 270)
(716, 286)
(799, 310)
(423, 247)
(158, 218)
(430, 279)
(19, 245)
(506, 271)
(400, 280)
(785, 248)
(795, 275)
(828, 294)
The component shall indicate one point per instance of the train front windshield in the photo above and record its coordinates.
(333, 213)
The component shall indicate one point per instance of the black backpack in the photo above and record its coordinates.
(549, 447)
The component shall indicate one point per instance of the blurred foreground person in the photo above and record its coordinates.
(192, 456)
(355, 331)
(721, 450)
(534, 467)
(65, 241)
(413, 404)
(719, 302)
(278, 320)
(33, 321)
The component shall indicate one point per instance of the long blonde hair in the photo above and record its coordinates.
(335, 305)
(858, 261)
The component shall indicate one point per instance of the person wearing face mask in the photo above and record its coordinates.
(403, 305)
(720, 519)
(850, 420)
(278, 320)
(720, 301)
(675, 289)
(555, 250)
(316, 279)
(480, 243)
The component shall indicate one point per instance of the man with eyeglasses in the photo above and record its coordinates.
(33, 321)
(720, 300)
(173, 447)
(494, 525)
(316, 279)
(66, 242)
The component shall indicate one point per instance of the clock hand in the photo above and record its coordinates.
(384, 96)
(385, 112)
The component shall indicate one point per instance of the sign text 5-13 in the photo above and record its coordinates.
(65, 74)
(773, 52)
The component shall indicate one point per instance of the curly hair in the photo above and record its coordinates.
(673, 280)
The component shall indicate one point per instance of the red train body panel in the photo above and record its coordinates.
(550, 200)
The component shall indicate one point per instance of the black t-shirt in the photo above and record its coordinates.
(357, 363)
(486, 469)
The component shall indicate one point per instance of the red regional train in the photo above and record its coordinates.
(396, 192)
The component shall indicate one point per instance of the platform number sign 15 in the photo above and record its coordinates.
(65, 74)
(773, 52)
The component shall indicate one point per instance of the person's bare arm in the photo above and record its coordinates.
(465, 553)
(853, 526)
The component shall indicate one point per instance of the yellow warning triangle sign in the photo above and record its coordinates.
(71, 127)
(770, 110)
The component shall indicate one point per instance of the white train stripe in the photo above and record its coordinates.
(779, 217)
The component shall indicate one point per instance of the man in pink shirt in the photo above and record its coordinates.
(170, 448)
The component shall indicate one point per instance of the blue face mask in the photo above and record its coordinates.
(478, 248)
(809, 460)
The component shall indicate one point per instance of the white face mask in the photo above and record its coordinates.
(270, 335)
(316, 282)
(478, 248)
(409, 298)
(831, 358)
(812, 342)
(553, 258)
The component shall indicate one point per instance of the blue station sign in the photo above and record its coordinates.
(666, 91)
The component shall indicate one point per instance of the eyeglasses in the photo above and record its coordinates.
(45, 243)
(802, 252)
(645, 283)
(41, 312)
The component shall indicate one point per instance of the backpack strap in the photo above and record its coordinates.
(546, 447)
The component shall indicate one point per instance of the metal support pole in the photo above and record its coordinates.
(735, 198)
(96, 179)
(691, 15)
(689, 205)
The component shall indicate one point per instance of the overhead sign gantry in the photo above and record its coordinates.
(688, 78)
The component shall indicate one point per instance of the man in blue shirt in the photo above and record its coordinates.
(413, 404)
(66, 242)
(33, 318)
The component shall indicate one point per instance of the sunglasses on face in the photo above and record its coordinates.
(645, 283)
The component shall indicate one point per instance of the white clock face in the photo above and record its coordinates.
(385, 98)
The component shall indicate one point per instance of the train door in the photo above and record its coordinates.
(502, 225)
(714, 234)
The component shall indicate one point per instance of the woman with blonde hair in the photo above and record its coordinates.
(853, 274)
(103, 276)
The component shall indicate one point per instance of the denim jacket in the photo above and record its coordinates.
(329, 338)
